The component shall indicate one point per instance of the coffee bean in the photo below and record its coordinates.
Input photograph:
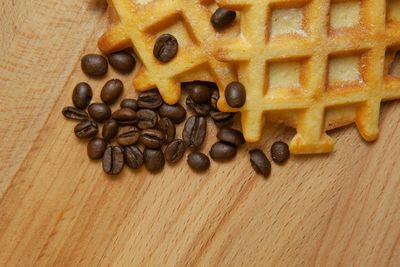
(122, 61)
(111, 91)
(100, 112)
(75, 114)
(133, 157)
(235, 95)
(175, 151)
(125, 116)
(94, 65)
(280, 152)
(146, 119)
(198, 161)
(113, 160)
(128, 135)
(214, 99)
(152, 138)
(200, 93)
(175, 112)
(96, 148)
(86, 129)
(82, 95)
(166, 126)
(231, 136)
(150, 99)
(222, 18)
(259, 162)
(166, 48)
(222, 119)
(154, 159)
(130, 103)
(223, 151)
(195, 131)
(110, 129)
(199, 109)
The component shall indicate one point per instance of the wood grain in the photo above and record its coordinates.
(57, 208)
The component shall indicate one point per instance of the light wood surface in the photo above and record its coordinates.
(57, 208)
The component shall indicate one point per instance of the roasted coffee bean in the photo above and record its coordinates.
(175, 112)
(146, 119)
(222, 119)
(223, 151)
(94, 65)
(166, 126)
(125, 116)
(175, 151)
(86, 129)
(235, 95)
(280, 152)
(133, 157)
(200, 93)
(96, 148)
(100, 112)
(113, 160)
(259, 162)
(154, 159)
(198, 161)
(111, 91)
(150, 99)
(110, 129)
(122, 61)
(130, 103)
(128, 135)
(195, 131)
(199, 109)
(222, 18)
(166, 48)
(214, 99)
(75, 114)
(231, 136)
(152, 138)
(82, 95)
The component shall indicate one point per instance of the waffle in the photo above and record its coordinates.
(314, 65)
(138, 23)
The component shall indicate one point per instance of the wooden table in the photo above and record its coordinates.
(57, 208)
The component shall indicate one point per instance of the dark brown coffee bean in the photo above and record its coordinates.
(195, 131)
(110, 129)
(166, 48)
(198, 161)
(94, 65)
(130, 103)
(133, 157)
(122, 61)
(86, 129)
(75, 114)
(175, 151)
(222, 18)
(100, 112)
(125, 116)
(150, 99)
(231, 136)
(96, 148)
(280, 152)
(82, 95)
(111, 91)
(152, 138)
(147, 119)
(175, 112)
(259, 162)
(200, 93)
(223, 151)
(199, 109)
(128, 135)
(235, 95)
(166, 126)
(154, 159)
(214, 99)
(113, 160)
(222, 119)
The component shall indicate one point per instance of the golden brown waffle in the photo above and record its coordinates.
(139, 23)
(314, 65)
